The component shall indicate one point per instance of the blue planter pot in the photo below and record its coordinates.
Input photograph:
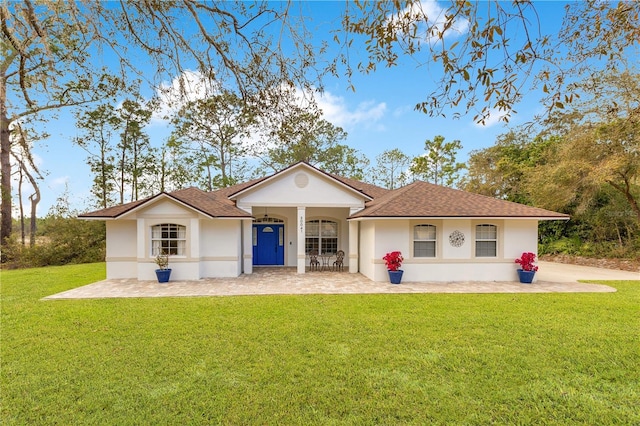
(395, 276)
(526, 277)
(163, 275)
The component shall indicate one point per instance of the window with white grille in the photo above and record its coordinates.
(168, 238)
(321, 236)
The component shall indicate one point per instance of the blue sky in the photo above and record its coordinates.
(378, 116)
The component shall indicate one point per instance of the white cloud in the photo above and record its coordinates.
(187, 87)
(402, 110)
(193, 85)
(336, 111)
(59, 182)
(37, 160)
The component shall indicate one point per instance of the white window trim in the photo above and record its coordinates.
(320, 236)
(184, 240)
(499, 238)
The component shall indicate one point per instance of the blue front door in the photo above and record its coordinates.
(268, 244)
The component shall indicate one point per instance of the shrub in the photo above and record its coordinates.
(64, 241)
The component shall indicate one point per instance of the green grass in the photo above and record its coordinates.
(325, 359)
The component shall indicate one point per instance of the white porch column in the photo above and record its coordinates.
(247, 246)
(354, 246)
(301, 231)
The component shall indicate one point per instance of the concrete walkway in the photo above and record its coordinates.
(552, 278)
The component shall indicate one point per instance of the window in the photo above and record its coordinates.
(486, 241)
(424, 241)
(267, 219)
(168, 238)
(322, 236)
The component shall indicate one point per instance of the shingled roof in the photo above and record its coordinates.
(418, 199)
(368, 189)
(115, 211)
(422, 199)
(213, 204)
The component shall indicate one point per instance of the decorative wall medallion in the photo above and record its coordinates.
(456, 239)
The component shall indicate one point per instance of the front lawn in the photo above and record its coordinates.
(325, 359)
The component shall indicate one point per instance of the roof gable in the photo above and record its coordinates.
(422, 199)
(302, 174)
(209, 204)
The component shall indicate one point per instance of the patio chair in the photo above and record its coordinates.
(339, 262)
(314, 263)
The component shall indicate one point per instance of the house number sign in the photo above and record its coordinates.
(456, 239)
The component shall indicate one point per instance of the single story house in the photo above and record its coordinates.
(444, 234)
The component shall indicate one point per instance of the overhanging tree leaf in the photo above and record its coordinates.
(45, 46)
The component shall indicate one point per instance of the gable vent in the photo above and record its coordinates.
(301, 180)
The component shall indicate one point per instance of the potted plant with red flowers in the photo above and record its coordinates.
(527, 269)
(393, 260)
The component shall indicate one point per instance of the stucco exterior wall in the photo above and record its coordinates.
(390, 235)
(446, 250)
(367, 265)
(451, 263)
(212, 249)
(300, 188)
(121, 254)
(520, 236)
(185, 267)
(220, 248)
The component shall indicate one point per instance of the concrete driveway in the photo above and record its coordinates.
(551, 278)
(564, 273)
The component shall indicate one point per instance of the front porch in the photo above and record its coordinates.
(285, 236)
(286, 281)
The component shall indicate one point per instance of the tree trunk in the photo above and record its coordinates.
(134, 172)
(435, 172)
(22, 229)
(103, 175)
(35, 199)
(223, 165)
(122, 162)
(209, 179)
(626, 191)
(5, 167)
